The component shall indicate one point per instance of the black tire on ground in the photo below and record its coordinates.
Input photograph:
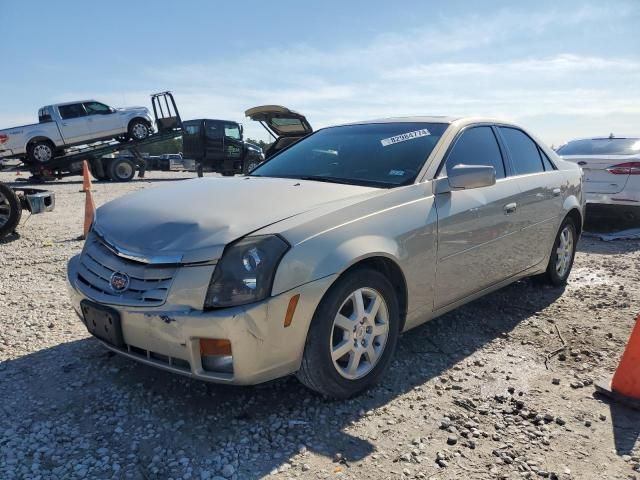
(10, 210)
(138, 129)
(558, 270)
(98, 170)
(40, 152)
(121, 170)
(248, 166)
(200, 170)
(318, 371)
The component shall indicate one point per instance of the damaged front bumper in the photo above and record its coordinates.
(169, 336)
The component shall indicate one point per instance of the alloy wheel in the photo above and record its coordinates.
(140, 131)
(359, 333)
(564, 251)
(42, 153)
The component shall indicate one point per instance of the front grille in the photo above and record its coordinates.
(148, 286)
(157, 358)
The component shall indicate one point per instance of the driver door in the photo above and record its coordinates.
(476, 227)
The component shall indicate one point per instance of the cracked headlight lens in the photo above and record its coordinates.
(245, 272)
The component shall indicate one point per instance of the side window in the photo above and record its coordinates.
(96, 108)
(213, 130)
(232, 131)
(525, 155)
(73, 110)
(477, 146)
(548, 166)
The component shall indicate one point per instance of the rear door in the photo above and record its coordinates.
(102, 121)
(540, 200)
(73, 125)
(477, 227)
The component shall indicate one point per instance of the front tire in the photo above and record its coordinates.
(10, 210)
(138, 129)
(563, 253)
(352, 336)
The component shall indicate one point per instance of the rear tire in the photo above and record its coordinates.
(40, 152)
(10, 210)
(138, 129)
(562, 254)
(122, 170)
(98, 170)
(349, 347)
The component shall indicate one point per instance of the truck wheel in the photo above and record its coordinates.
(10, 210)
(122, 170)
(98, 170)
(250, 165)
(138, 129)
(40, 152)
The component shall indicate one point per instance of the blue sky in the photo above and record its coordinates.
(561, 68)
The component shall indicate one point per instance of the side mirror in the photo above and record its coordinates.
(465, 177)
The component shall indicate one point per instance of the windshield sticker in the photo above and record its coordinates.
(423, 132)
(396, 173)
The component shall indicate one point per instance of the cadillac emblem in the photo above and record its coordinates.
(119, 281)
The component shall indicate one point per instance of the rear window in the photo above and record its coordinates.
(375, 154)
(603, 146)
(44, 115)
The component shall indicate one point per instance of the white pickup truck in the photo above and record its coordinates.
(74, 123)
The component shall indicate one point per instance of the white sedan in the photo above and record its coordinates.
(611, 168)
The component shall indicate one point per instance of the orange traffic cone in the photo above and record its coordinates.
(89, 213)
(624, 387)
(86, 177)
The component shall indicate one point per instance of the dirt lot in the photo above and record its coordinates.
(468, 395)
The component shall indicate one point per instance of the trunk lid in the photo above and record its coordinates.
(281, 121)
(598, 177)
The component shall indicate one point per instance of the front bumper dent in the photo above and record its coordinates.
(168, 336)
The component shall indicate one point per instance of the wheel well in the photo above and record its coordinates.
(138, 118)
(394, 273)
(40, 139)
(575, 215)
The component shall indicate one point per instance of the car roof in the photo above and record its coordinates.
(459, 121)
(607, 137)
(71, 103)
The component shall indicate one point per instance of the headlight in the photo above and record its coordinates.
(245, 272)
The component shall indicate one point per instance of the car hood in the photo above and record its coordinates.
(192, 220)
(134, 109)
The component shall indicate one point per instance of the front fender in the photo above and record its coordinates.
(311, 262)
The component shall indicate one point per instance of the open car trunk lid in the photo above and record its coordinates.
(598, 176)
(281, 121)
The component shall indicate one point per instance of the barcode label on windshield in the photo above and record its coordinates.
(423, 132)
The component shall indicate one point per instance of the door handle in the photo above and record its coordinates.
(556, 192)
(510, 208)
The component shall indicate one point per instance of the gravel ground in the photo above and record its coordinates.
(468, 395)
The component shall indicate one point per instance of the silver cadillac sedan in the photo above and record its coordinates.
(316, 262)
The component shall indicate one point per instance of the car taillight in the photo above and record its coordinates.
(629, 168)
(3, 139)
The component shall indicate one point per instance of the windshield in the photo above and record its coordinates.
(376, 154)
(604, 146)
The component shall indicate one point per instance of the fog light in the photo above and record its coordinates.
(215, 355)
(217, 363)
